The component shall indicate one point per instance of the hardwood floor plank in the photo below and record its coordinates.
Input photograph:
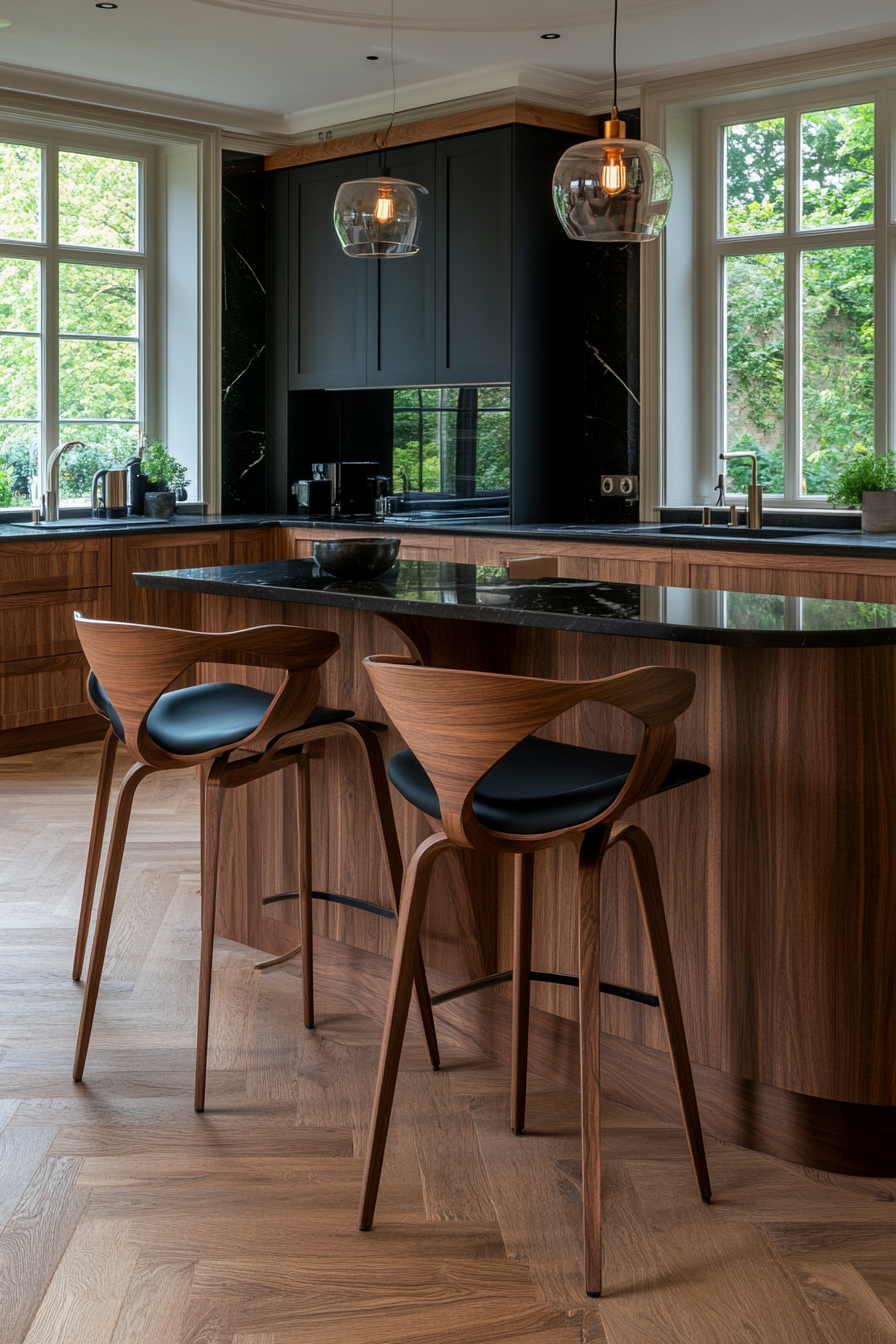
(22, 1151)
(156, 1302)
(84, 1299)
(843, 1303)
(34, 1241)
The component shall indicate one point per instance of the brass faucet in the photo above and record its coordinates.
(754, 491)
(51, 498)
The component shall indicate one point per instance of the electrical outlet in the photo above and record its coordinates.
(624, 486)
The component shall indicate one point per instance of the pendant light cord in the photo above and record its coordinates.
(615, 26)
(385, 169)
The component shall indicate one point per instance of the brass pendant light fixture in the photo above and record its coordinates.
(613, 190)
(380, 216)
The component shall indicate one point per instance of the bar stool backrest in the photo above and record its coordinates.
(459, 724)
(136, 664)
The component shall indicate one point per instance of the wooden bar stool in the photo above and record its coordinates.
(485, 783)
(131, 668)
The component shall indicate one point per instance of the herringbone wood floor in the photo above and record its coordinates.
(125, 1217)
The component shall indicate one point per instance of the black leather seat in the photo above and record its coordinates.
(197, 719)
(538, 786)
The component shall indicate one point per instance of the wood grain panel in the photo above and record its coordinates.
(794, 583)
(252, 546)
(182, 550)
(43, 690)
(434, 547)
(41, 625)
(433, 128)
(39, 566)
(580, 560)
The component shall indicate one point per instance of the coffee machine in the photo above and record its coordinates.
(341, 489)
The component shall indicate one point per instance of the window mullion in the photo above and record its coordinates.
(50, 352)
(884, 299)
(793, 336)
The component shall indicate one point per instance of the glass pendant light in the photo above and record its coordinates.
(613, 190)
(380, 216)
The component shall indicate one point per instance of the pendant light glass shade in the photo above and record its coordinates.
(613, 190)
(378, 217)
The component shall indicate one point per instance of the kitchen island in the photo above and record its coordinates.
(777, 868)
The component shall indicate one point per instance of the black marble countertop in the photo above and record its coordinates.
(71, 529)
(838, 541)
(483, 593)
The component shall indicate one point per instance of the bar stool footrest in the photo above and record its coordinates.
(334, 900)
(545, 977)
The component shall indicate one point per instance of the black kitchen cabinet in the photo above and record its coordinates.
(495, 295)
(474, 247)
(401, 304)
(327, 291)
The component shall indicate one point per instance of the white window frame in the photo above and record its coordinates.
(51, 253)
(180, 399)
(792, 241)
(682, 319)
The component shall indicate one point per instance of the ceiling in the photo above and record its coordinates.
(285, 68)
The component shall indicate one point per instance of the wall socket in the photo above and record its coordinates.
(626, 486)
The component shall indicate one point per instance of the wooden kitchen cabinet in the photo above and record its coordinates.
(181, 550)
(428, 546)
(42, 669)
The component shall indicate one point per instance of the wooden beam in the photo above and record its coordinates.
(434, 128)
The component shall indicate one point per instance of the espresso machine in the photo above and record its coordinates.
(342, 489)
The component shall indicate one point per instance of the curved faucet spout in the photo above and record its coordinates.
(724, 457)
(51, 510)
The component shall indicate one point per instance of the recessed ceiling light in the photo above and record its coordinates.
(373, 58)
(549, 37)
(106, 4)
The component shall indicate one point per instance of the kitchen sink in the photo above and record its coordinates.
(723, 531)
(98, 522)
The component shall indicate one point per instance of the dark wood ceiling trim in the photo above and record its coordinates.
(434, 128)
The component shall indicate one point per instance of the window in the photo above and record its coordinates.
(73, 286)
(793, 264)
(452, 440)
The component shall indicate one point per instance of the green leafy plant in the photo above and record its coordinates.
(866, 471)
(159, 465)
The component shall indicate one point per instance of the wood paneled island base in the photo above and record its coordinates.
(777, 874)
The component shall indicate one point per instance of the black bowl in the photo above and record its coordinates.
(357, 557)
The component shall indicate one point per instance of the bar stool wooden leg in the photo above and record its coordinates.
(413, 905)
(589, 999)
(100, 809)
(123, 805)
(306, 904)
(379, 782)
(213, 805)
(647, 881)
(523, 885)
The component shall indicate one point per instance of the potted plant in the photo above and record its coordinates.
(868, 482)
(163, 470)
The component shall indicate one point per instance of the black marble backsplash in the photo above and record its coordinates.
(243, 334)
(612, 367)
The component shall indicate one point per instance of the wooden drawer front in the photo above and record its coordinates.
(582, 559)
(51, 566)
(795, 583)
(153, 606)
(44, 626)
(43, 690)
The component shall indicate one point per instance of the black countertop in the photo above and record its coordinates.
(839, 541)
(483, 593)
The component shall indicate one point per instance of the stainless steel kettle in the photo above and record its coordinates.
(109, 493)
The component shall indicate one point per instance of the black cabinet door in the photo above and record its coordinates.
(474, 250)
(401, 290)
(327, 289)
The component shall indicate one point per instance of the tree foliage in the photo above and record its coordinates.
(427, 416)
(837, 297)
(98, 320)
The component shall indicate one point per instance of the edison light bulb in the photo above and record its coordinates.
(613, 175)
(384, 210)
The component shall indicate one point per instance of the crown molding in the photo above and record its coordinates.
(127, 98)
